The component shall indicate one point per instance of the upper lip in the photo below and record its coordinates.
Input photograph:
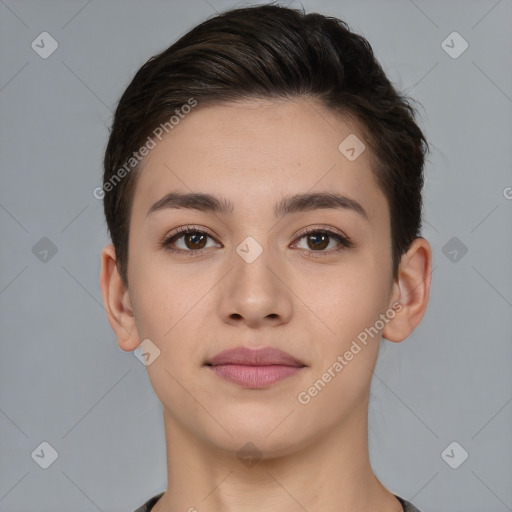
(254, 357)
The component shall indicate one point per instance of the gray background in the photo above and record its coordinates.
(63, 379)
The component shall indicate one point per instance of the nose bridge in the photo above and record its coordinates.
(255, 290)
(255, 261)
(256, 244)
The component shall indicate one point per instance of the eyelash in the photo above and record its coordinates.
(344, 241)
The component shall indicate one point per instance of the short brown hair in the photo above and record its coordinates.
(272, 52)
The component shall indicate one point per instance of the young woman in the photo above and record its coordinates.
(262, 190)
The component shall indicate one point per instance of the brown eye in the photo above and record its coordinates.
(194, 241)
(318, 240)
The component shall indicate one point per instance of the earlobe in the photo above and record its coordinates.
(412, 290)
(117, 301)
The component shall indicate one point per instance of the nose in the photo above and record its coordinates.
(255, 292)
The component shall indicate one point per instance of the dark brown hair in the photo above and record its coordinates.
(271, 52)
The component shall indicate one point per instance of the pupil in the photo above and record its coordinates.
(321, 236)
(193, 237)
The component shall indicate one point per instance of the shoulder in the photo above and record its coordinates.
(146, 507)
(407, 506)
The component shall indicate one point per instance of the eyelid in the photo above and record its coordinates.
(344, 240)
(185, 229)
(324, 228)
(179, 232)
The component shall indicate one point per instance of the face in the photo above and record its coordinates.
(251, 278)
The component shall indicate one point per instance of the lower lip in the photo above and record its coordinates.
(255, 377)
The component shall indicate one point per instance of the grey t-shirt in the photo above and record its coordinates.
(408, 507)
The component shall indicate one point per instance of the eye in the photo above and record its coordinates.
(194, 240)
(318, 239)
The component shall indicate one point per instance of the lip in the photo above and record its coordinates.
(254, 368)
(264, 356)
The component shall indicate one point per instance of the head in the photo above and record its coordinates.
(255, 107)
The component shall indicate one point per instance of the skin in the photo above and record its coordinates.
(254, 153)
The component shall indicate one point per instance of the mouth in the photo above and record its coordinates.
(254, 368)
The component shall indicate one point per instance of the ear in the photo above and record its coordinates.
(117, 301)
(411, 290)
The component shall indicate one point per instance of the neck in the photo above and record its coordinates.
(331, 473)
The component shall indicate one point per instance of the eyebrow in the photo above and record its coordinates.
(288, 205)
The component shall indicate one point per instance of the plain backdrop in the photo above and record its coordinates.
(63, 379)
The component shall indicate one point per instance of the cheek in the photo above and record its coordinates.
(345, 299)
(347, 302)
(155, 304)
(167, 303)
(346, 307)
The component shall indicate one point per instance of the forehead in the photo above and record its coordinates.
(256, 151)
